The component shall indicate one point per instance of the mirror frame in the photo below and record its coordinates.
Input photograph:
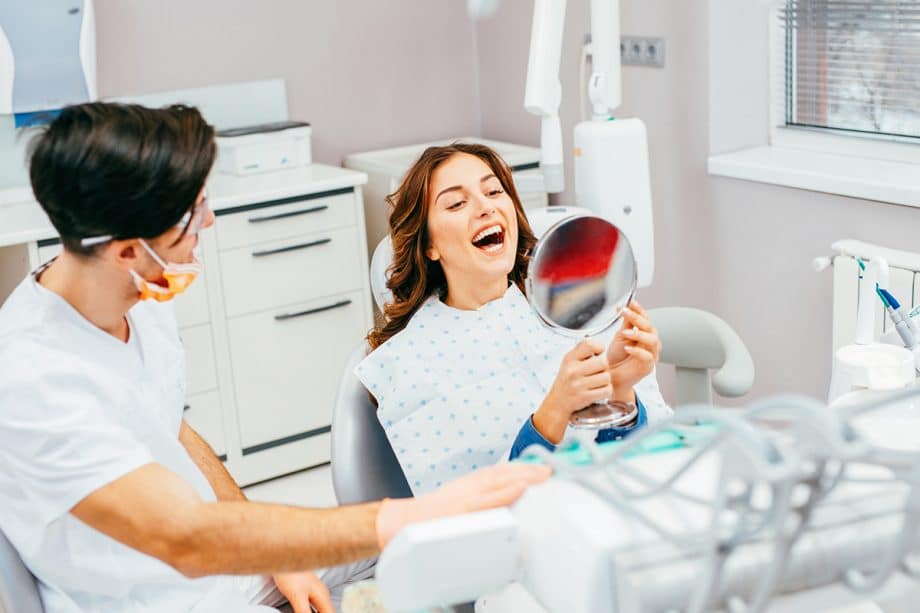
(531, 271)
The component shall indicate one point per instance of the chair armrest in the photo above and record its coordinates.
(693, 338)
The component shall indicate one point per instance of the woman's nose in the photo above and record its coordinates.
(485, 207)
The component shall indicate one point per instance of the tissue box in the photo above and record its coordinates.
(264, 148)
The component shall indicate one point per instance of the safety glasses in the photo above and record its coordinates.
(190, 223)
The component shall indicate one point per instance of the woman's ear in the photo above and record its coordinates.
(432, 254)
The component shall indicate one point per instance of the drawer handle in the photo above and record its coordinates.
(322, 241)
(186, 408)
(313, 209)
(328, 307)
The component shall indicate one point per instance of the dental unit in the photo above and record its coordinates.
(717, 508)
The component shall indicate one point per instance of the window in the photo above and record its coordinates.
(850, 66)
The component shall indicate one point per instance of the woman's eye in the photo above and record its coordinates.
(496, 192)
(455, 205)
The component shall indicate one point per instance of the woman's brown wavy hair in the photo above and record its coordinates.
(412, 277)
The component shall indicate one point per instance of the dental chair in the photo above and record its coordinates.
(696, 342)
(18, 589)
(364, 467)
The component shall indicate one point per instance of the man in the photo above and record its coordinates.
(111, 499)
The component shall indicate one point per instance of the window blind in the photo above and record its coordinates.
(851, 65)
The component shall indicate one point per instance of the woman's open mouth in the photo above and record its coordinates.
(490, 240)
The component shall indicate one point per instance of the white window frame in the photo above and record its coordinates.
(823, 140)
(822, 160)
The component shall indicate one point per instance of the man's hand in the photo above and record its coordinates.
(305, 589)
(633, 352)
(487, 488)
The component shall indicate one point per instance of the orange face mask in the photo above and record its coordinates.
(178, 278)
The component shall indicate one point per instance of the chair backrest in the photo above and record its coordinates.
(697, 342)
(364, 466)
(18, 589)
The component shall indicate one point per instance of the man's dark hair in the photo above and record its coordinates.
(120, 169)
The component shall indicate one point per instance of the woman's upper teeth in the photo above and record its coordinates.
(490, 230)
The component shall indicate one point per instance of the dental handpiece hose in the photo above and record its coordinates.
(899, 318)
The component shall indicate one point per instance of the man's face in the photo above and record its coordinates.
(176, 244)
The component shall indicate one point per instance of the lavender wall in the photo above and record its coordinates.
(365, 73)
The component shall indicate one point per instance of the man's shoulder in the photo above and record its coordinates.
(23, 310)
(24, 340)
(26, 358)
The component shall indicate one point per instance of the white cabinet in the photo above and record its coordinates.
(287, 218)
(271, 275)
(193, 308)
(201, 369)
(287, 364)
(48, 249)
(289, 298)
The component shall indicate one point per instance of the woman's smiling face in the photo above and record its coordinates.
(472, 224)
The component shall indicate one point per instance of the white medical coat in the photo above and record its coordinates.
(454, 387)
(78, 410)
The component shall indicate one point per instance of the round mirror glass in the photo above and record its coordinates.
(580, 277)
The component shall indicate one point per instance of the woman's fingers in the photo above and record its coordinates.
(648, 340)
(597, 381)
(592, 365)
(633, 318)
(598, 394)
(589, 347)
(641, 354)
(635, 306)
(586, 348)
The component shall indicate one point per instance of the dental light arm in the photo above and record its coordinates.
(604, 88)
(543, 91)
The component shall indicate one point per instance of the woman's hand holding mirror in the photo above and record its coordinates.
(580, 281)
(583, 379)
(633, 352)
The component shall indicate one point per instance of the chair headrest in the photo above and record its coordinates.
(380, 262)
(540, 221)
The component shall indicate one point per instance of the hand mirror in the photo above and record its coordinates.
(581, 276)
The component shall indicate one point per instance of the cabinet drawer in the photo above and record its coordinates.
(202, 412)
(199, 359)
(293, 218)
(47, 252)
(271, 275)
(192, 305)
(286, 371)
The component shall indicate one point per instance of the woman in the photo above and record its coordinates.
(463, 371)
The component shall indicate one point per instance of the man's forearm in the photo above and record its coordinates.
(225, 488)
(153, 510)
(255, 538)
